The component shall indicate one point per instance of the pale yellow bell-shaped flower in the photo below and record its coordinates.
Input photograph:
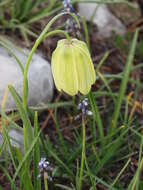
(72, 67)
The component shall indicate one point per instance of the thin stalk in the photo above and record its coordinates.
(82, 155)
(38, 41)
(52, 106)
(45, 181)
(85, 32)
(102, 61)
(120, 173)
(58, 32)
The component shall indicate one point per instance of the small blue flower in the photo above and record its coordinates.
(68, 6)
(83, 106)
(44, 167)
(71, 26)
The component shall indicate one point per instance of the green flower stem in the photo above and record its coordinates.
(58, 32)
(38, 41)
(82, 155)
(45, 181)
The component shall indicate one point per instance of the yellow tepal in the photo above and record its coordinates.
(72, 67)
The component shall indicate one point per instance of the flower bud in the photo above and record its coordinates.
(72, 67)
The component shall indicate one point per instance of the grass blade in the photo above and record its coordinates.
(124, 81)
(24, 117)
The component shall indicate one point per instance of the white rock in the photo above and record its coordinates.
(106, 22)
(16, 136)
(39, 77)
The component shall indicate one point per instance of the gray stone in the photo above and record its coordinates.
(106, 22)
(16, 136)
(39, 77)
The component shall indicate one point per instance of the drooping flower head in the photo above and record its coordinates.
(72, 67)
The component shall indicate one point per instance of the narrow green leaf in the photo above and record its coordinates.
(124, 81)
(36, 157)
(24, 116)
